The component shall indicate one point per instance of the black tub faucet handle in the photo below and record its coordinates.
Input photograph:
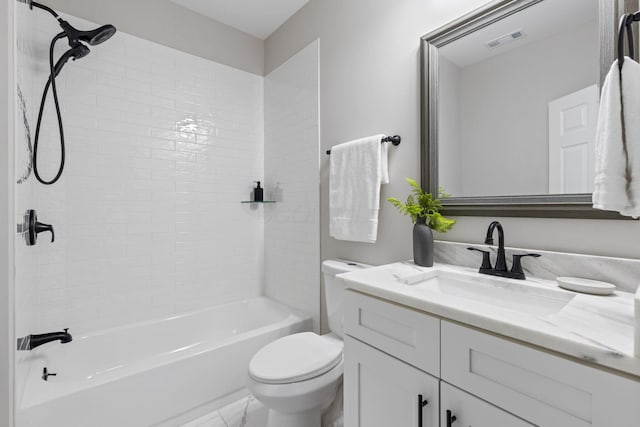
(32, 227)
(40, 227)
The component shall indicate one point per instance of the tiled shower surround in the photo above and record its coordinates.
(161, 148)
(292, 235)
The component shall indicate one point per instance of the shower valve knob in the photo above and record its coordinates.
(35, 227)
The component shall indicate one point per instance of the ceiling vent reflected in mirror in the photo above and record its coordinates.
(505, 39)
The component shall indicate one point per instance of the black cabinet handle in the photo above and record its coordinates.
(421, 404)
(450, 418)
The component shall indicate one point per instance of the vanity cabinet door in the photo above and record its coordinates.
(545, 389)
(407, 334)
(471, 411)
(381, 391)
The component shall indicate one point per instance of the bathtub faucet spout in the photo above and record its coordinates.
(32, 341)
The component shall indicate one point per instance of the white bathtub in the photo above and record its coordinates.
(149, 373)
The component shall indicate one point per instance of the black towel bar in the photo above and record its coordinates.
(395, 140)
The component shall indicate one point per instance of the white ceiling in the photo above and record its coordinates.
(539, 21)
(256, 17)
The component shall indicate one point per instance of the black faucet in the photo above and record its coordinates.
(501, 263)
(32, 341)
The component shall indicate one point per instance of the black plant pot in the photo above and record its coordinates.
(422, 244)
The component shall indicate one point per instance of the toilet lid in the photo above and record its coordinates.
(294, 358)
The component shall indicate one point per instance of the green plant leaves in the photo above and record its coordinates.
(423, 205)
(440, 223)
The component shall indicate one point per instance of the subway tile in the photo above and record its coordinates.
(180, 156)
(123, 105)
(124, 128)
(99, 66)
(122, 83)
(151, 100)
(173, 135)
(150, 190)
(161, 81)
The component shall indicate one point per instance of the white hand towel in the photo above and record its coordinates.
(617, 181)
(357, 170)
(610, 186)
(631, 106)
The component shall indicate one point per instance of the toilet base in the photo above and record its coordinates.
(301, 403)
(310, 418)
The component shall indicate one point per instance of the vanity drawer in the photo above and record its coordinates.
(409, 335)
(545, 389)
(471, 411)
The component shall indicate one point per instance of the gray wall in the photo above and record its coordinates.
(164, 22)
(7, 98)
(369, 83)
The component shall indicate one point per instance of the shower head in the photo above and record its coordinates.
(93, 37)
(76, 52)
(77, 40)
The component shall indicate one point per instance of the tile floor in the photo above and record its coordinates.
(246, 412)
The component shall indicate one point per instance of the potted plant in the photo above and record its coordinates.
(424, 210)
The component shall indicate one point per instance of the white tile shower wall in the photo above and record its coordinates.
(292, 227)
(161, 148)
(26, 266)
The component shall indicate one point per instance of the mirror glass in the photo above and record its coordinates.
(518, 101)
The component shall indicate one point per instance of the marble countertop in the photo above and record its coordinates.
(596, 329)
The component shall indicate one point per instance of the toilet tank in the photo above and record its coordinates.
(334, 290)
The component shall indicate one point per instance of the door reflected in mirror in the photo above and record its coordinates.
(518, 102)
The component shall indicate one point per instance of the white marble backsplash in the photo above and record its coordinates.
(622, 272)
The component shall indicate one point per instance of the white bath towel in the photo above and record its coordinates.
(357, 169)
(618, 142)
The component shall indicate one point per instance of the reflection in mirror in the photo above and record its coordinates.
(517, 103)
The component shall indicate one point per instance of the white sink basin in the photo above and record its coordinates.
(506, 294)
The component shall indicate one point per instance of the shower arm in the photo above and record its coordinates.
(33, 4)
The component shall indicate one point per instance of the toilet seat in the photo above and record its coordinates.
(295, 358)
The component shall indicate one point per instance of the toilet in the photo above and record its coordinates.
(296, 377)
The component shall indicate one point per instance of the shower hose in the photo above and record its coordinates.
(51, 83)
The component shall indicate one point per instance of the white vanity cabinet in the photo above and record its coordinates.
(540, 387)
(460, 409)
(394, 353)
(388, 385)
(382, 391)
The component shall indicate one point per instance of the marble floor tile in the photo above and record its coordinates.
(246, 412)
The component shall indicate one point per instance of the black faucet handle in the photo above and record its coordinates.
(486, 261)
(40, 227)
(516, 267)
(35, 227)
